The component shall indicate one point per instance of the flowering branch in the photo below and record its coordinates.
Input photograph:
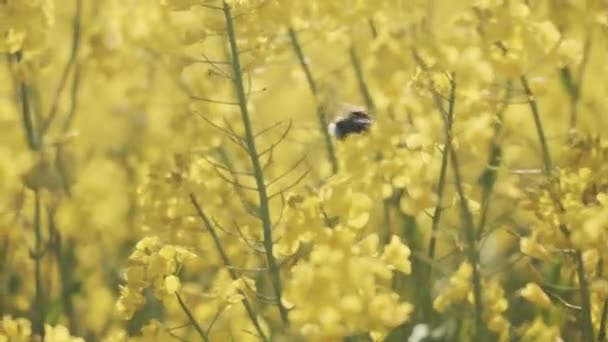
(587, 326)
(228, 264)
(193, 321)
(255, 161)
(467, 217)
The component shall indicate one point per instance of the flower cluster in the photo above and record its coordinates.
(151, 265)
(344, 287)
(460, 289)
(20, 330)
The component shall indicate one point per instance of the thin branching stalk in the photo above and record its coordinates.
(23, 91)
(587, 324)
(37, 254)
(588, 334)
(321, 113)
(367, 97)
(436, 219)
(601, 335)
(575, 89)
(467, 218)
(193, 321)
(447, 116)
(233, 274)
(258, 172)
(70, 64)
(539, 126)
(372, 28)
(489, 175)
(443, 171)
(4, 273)
(386, 209)
(28, 123)
(64, 258)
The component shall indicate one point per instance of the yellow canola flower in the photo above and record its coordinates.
(538, 331)
(532, 248)
(15, 329)
(533, 293)
(172, 284)
(152, 264)
(344, 287)
(396, 254)
(59, 333)
(20, 330)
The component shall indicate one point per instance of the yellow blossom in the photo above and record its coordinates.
(533, 293)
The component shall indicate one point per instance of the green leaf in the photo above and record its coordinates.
(54, 312)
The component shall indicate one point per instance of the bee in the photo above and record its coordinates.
(356, 121)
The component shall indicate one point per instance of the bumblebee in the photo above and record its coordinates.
(356, 121)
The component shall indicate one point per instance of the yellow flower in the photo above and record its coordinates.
(172, 284)
(530, 247)
(59, 333)
(396, 255)
(533, 293)
(15, 329)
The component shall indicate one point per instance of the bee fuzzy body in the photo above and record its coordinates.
(355, 122)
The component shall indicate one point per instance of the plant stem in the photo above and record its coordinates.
(576, 95)
(367, 97)
(228, 264)
(40, 311)
(601, 335)
(489, 175)
(539, 126)
(321, 114)
(467, 218)
(37, 254)
(439, 207)
(194, 323)
(255, 161)
(588, 334)
(587, 325)
(76, 34)
(64, 256)
(372, 28)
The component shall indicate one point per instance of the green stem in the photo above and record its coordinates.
(27, 117)
(539, 126)
(228, 264)
(601, 335)
(438, 208)
(467, 218)
(22, 101)
(489, 175)
(194, 323)
(38, 323)
(76, 34)
(321, 114)
(255, 161)
(372, 28)
(64, 256)
(575, 95)
(584, 286)
(367, 97)
(588, 334)
(4, 274)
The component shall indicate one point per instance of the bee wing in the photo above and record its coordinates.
(362, 120)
